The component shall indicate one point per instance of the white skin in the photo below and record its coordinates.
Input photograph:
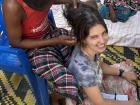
(96, 43)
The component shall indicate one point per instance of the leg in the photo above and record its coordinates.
(57, 99)
(48, 63)
(51, 63)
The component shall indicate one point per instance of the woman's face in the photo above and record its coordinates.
(97, 39)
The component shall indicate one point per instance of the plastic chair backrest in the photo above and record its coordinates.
(3, 35)
(15, 60)
(10, 58)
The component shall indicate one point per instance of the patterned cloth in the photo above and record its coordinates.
(51, 63)
(118, 85)
(111, 84)
(123, 9)
(116, 54)
(132, 4)
(86, 71)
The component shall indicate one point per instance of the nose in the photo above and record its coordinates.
(101, 39)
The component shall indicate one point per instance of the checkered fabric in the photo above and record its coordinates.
(23, 96)
(51, 63)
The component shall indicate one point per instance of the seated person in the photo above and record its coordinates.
(48, 50)
(116, 10)
(86, 66)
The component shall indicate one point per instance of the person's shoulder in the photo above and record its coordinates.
(76, 55)
(78, 58)
(11, 5)
(13, 8)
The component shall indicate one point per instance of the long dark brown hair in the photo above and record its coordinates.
(81, 19)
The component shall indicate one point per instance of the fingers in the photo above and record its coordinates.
(67, 40)
(71, 43)
(68, 37)
(75, 3)
(72, 38)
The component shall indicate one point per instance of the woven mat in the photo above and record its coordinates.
(15, 90)
(116, 54)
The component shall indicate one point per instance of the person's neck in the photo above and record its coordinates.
(38, 7)
(88, 52)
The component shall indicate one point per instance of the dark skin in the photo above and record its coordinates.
(112, 13)
(14, 15)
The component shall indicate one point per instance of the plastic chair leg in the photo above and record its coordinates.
(43, 87)
(40, 89)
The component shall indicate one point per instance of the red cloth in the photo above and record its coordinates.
(36, 24)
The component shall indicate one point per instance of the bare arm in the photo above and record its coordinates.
(94, 95)
(14, 15)
(112, 14)
(107, 69)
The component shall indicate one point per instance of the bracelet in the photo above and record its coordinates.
(121, 72)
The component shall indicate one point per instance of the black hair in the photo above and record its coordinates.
(36, 4)
(81, 19)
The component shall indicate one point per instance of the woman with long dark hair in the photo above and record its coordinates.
(92, 36)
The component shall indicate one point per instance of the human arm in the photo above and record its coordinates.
(13, 16)
(86, 77)
(112, 14)
(110, 70)
(94, 95)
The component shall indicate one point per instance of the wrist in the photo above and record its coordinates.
(121, 72)
(54, 41)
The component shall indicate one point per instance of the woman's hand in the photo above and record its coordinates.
(130, 76)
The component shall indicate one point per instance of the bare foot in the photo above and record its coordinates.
(54, 103)
(57, 99)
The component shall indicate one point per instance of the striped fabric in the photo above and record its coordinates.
(51, 63)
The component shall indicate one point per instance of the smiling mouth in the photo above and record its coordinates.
(101, 46)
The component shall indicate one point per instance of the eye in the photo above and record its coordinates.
(104, 34)
(94, 37)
